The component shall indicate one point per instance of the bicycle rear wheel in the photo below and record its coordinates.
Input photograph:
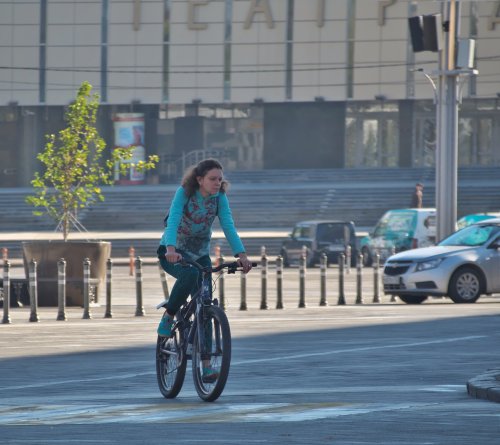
(171, 363)
(216, 348)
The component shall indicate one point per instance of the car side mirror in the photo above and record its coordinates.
(495, 244)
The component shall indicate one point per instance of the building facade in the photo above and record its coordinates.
(259, 83)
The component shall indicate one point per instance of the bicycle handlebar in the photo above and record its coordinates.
(232, 266)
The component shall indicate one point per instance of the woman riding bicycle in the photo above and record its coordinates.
(200, 198)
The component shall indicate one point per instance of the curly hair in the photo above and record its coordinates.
(190, 181)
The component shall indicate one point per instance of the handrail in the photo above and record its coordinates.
(175, 167)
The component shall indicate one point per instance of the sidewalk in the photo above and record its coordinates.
(485, 386)
(154, 235)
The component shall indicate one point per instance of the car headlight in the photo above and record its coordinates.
(431, 264)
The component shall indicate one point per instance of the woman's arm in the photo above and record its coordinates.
(169, 237)
(228, 227)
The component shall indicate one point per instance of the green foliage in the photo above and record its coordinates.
(74, 166)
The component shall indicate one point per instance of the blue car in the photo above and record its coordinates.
(399, 230)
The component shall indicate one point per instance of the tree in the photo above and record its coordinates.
(75, 168)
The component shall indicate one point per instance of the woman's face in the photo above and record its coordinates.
(211, 182)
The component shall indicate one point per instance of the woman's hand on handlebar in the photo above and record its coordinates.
(172, 256)
(244, 262)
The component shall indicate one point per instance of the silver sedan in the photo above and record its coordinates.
(462, 267)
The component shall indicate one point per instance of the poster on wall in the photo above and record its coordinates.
(129, 132)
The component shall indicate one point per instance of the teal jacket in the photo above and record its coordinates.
(189, 224)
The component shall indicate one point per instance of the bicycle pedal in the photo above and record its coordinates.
(162, 304)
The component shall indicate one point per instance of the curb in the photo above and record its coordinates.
(485, 386)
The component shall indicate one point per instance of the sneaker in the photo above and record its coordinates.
(165, 326)
(210, 375)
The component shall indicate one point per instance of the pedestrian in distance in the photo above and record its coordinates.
(201, 197)
(417, 196)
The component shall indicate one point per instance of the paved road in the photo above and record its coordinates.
(357, 374)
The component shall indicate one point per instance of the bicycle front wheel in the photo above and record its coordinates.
(211, 359)
(171, 363)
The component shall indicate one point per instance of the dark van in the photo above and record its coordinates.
(318, 237)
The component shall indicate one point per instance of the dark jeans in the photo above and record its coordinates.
(188, 281)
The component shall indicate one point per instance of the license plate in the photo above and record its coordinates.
(391, 280)
(336, 248)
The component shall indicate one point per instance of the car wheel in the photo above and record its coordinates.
(284, 256)
(354, 259)
(367, 258)
(465, 285)
(412, 299)
(310, 259)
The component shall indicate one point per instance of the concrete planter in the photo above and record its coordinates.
(48, 253)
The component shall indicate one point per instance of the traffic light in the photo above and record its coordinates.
(426, 32)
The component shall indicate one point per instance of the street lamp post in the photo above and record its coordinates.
(455, 59)
(447, 128)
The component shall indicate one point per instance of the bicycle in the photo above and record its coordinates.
(200, 333)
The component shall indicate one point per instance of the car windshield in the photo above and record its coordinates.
(301, 232)
(474, 235)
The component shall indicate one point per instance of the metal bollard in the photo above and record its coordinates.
(263, 262)
(86, 290)
(109, 277)
(348, 254)
(61, 290)
(139, 310)
(6, 292)
(131, 255)
(18, 289)
(376, 279)
(243, 289)
(163, 279)
(33, 291)
(217, 255)
(302, 280)
(279, 282)
(393, 252)
(393, 298)
(323, 265)
(341, 300)
(304, 252)
(359, 279)
(222, 296)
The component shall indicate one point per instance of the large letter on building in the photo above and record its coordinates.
(494, 19)
(259, 6)
(191, 18)
(320, 13)
(382, 6)
(137, 15)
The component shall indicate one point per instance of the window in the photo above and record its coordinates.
(372, 135)
(302, 232)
